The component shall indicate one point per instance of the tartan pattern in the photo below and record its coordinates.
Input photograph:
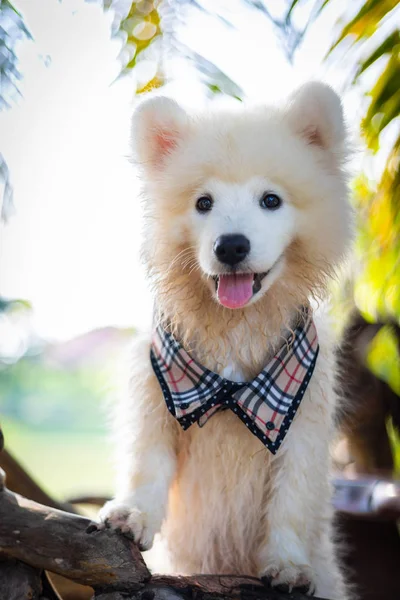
(266, 405)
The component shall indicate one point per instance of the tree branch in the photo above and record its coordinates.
(60, 542)
(57, 541)
(212, 587)
(19, 581)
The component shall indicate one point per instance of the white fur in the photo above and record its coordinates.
(223, 502)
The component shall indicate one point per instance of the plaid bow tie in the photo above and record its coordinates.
(267, 405)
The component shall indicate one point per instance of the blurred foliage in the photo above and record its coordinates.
(377, 281)
(65, 462)
(138, 27)
(383, 358)
(12, 29)
(148, 32)
(16, 339)
(52, 401)
(7, 305)
(6, 191)
(394, 437)
(53, 420)
(34, 391)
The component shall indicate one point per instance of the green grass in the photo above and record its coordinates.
(64, 463)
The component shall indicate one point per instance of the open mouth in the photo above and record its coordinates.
(235, 290)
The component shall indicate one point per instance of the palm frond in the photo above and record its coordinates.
(385, 102)
(214, 78)
(388, 46)
(366, 21)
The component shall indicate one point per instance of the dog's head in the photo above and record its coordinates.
(234, 198)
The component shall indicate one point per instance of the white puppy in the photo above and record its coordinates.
(247, 218)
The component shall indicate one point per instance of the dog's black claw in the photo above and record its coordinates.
(305, 589)
(285, 588)
(249, 587)
(147, 595)
(282, 587)
(267, 581)
(91, 528)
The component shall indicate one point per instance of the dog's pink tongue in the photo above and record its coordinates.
(234, 291)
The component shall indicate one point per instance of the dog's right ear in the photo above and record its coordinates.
(158, 126)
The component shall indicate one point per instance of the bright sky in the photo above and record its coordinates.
(72, 249)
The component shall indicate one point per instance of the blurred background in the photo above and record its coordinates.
(72, 289)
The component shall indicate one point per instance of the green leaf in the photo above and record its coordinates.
(390, 111)
(14, 305)
(291, 9)
(386, 87)
(320, 9)
(314, 14)
(142, 27)
(388, 46)
(214, 78)
(366, 20)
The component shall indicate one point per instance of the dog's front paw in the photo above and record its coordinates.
(288, 578)
(130, 521)
(287, 571)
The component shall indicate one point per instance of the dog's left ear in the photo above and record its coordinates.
(315, 113)
(158, 126)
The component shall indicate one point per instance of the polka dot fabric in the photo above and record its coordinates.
(267, 405)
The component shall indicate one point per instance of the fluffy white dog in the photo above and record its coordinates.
(223, 440)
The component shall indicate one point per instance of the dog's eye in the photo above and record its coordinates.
(204, 204)
(270, 201)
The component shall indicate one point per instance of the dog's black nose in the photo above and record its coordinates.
(231, 249)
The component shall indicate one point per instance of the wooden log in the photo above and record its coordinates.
(207, 587)
(19, 581)
(57, 541)
(204, 587)
(19, 481)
